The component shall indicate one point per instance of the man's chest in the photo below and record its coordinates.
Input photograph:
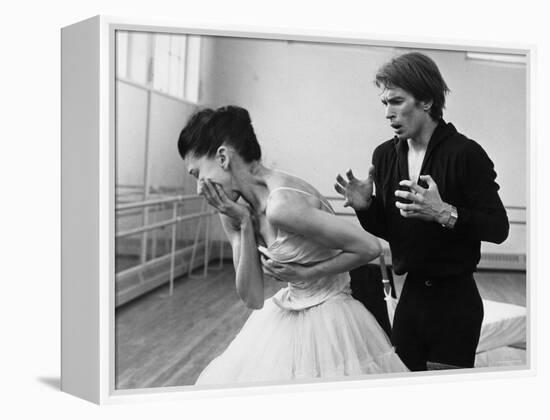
(415, 159)
(445, 170)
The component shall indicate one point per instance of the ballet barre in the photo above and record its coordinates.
(166, 203)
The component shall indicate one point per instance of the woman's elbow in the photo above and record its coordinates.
(254, 304)
(252, 300)
(377, 250)
(372, 251)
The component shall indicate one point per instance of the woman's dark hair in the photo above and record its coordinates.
(208, 129)
(417, 74)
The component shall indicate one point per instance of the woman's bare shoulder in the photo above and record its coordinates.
(289, 194)
(282, 181)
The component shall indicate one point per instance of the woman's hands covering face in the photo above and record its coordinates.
(217, 197)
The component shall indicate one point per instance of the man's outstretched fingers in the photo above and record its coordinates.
(412, 185)
(407, 195)
(341, 181)
(339, 189)
(429, 180)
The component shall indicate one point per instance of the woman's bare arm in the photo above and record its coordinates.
(293, 213)
(237, 223)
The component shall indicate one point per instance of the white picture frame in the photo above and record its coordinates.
(88, 225)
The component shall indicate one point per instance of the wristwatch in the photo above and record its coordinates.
(453, 217)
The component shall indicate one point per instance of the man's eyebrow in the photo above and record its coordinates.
(391, 98)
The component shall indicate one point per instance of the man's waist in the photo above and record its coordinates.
(451, 277)
(432, 261)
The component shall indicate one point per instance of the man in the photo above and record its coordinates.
(436, 200)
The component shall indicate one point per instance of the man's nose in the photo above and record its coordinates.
(199, 187)
(389, 113)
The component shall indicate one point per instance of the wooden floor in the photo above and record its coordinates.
(167, 341)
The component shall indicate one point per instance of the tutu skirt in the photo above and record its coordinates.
(336, 338)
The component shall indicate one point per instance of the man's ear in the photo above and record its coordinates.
(223, 157)
(427, 105)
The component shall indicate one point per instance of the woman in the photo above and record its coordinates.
(281, 226)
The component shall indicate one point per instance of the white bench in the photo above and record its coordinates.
(504, 324)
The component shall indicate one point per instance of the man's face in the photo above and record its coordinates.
(406, 115)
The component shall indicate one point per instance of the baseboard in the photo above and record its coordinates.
(488, 261)
(501, 261)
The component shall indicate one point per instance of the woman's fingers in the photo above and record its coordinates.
(265, 261)
(212, 194)
(207, 192)
(219, 191)
(268, 269)
(273, 266)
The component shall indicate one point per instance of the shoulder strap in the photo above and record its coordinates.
(321, 199)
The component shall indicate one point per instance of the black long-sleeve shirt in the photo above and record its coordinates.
(465, 178)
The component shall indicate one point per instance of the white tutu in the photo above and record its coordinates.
(311, 329)
(336, 338)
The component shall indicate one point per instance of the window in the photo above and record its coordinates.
(166, 63)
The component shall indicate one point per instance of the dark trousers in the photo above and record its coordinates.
(438, 321)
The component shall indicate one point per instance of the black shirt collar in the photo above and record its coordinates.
(442, 131)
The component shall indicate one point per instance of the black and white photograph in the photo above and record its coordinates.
(275, 210)
(303, 210)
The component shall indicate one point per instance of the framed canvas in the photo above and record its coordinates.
(148, 284)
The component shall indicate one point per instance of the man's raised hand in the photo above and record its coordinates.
(358, 193)
(426, 203)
